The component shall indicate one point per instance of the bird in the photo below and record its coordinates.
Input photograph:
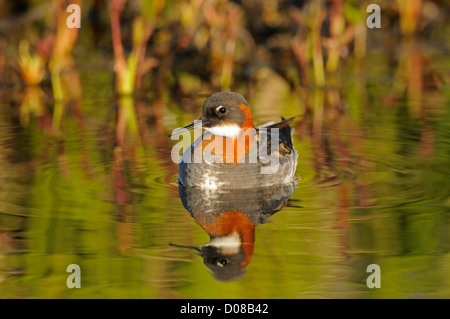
(233, 153)
(230, 217)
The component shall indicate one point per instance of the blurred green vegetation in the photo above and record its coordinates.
(85, 169)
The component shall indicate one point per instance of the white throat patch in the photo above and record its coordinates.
(230, 130)
(229, 244)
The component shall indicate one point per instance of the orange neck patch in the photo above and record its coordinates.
(230, 222)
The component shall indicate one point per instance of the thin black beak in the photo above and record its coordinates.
(196, 124)
(188, 247)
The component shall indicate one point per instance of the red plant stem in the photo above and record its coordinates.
(298, 48)
(116, 7)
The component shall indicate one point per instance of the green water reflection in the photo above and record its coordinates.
(96, 187)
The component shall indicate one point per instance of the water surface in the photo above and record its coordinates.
(96, 187)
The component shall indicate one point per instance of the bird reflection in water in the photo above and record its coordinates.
(229, 216)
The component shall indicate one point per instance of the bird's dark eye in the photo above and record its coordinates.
(223, 261)
(222, 110)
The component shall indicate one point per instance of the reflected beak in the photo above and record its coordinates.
(188, 247)
(196, 124)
